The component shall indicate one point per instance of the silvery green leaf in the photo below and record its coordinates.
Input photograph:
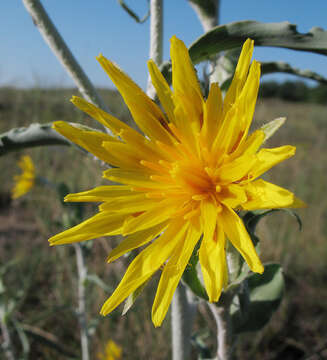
(233, 35)
(283, 67)
(131, 299)
(31, 136)
(260, 297)
(270, 128)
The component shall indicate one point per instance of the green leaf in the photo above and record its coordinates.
(131, 298)
(31, 136)
(225, 62)
(283, 67)
(233, 35)
(270, 128)
(252, 218)
(23, 339)
(190, 276)
(260, 297)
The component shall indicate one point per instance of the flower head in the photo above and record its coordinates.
(112, 352)
(25, 181)
(183, 181)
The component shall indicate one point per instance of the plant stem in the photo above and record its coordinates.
(183, 312)
(156, 38)
(6, 343)
(61, 50)
(224, 334)
(81, 311)
(208, 12)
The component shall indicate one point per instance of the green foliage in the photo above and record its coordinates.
(282, 67)
(190, 276)
(258, 299)
(233, 35)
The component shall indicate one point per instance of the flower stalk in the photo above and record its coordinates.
(224, 330)
(81, 310)
(156, 39)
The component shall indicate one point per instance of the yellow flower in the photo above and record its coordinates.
(112, 352)
(181, 182)
(25, 181)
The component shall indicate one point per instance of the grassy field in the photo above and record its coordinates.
(42, 282)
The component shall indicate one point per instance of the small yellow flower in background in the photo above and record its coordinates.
(112, 352)
(181, 182)
(25, 181)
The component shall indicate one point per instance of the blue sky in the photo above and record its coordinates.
(91, 27)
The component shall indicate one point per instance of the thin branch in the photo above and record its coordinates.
(31, 136)
(156, 38)
(183, 312)
(82, 276)
(207, 12)
(58, 46)
(131, 13)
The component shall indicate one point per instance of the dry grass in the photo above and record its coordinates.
(43, 278)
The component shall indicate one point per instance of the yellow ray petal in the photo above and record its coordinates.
(267, 158)
(163, 90)
(123, 155)
(133, 178)
(233, 196)
(212, 258)
(250, 146)
(128, 204)
(184, 79)
(87, 139)
(248, 99)
(100, 193)
(142, 145)
(101, 224)
(264, 195)
(236, 169)
(145, 264)
(136, 240)
(145, 112)
(239, 237)
(209, 246)
(114, 124)
(240, 75)
(172, 273)
(222, 144)
(212, 116)
(159, 213)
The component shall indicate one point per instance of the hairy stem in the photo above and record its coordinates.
(208, 12)
(183, 312)
(58, 46)
(81, 311)
(224, 333)
(156, 37)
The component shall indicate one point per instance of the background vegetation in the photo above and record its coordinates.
(42, 281)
